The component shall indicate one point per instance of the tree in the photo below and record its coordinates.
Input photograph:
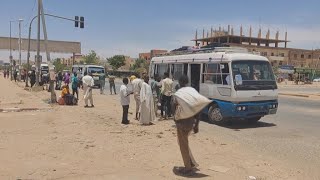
(58, 65)
(117, 61)
(91, 58)
(139, 63)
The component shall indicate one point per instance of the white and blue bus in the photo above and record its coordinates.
(241, 85)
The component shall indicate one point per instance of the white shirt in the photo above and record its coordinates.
(88, 80)
(124, 95)
(137, 84)
(166, 87)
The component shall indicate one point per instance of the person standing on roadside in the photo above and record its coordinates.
(75, 85)
(15, 75)
(8, 73)
(136, 86)
(147, 114)
(33, 78)
(166, 91)
(125, 100)
(60, 79)
(88, 84)
(102, 79)
(112, 84)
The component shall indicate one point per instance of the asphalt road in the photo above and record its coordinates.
(292, 135)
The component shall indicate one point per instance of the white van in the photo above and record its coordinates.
(95, 70)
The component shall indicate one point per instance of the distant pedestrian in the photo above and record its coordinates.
(75, 85)
(155, 86)
(125, 100)
(88, 84)
(102, 79)
(4, 73)
(15, 75)
(8, 73)
(166, 92)
(112, 84)
(136, 86)
(67, 79)
(32, 78)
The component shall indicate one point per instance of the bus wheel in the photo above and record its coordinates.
(215, 115)
(254, 120)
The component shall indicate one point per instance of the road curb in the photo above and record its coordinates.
(297, 95)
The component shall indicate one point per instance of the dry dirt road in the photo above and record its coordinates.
(61, 142)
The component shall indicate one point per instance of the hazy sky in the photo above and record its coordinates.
(132, 26)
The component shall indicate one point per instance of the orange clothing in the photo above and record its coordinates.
(64, 92)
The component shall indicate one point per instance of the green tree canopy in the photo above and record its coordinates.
(58, 65)
(117, 61)
(91, 58)
(139, 63)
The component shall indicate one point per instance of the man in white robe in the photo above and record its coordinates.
(147, 114)
(88, 83)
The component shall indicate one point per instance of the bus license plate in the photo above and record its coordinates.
(272, 111)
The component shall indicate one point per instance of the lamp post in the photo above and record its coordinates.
(10, 57)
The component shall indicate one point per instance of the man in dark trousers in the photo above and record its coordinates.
(184, 127)
(125, 100)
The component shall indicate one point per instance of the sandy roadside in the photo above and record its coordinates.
(77, 143)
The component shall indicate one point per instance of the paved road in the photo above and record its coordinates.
(291, 136)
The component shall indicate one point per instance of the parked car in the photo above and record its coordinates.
(316, 80)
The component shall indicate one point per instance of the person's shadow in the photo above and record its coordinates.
(194, 174)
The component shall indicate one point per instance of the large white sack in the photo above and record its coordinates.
(190, 103)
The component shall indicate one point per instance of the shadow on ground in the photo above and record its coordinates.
(194, 174)
(240, 124)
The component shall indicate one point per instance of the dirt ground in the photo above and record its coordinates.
(71, 142)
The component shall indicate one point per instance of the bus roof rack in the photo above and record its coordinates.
(207, 50)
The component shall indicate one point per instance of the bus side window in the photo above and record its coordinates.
(185, 69)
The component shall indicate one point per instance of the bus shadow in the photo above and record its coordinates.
(241, 124)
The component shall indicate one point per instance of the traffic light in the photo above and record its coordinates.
(76, 21)
(81, 22)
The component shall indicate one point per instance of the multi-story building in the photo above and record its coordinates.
(75, 59)
(155, 52)
(266, 46)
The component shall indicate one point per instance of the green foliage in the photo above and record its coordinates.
(91, 58)
(58, 65)
(140, 64)
(117, 61)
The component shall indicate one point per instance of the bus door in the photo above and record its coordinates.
(195, 76)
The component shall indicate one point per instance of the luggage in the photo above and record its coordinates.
(69, 99)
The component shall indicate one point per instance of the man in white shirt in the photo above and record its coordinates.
(125, 100)
(166, 91)
(136, 86)
(88, 83)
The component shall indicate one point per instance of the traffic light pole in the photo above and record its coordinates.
(30, 29)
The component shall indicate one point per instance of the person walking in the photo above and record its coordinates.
(67, 79)
(147, 114)
(88, 83)
(102, 79)
(8, 73)
(125, 100)
(5, 73)
(166, 91)
(136, 86)
(75, 85)
(112, 84)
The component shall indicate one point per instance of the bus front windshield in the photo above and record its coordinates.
(95, 70)
(255, 75)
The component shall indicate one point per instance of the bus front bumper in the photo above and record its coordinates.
(246, 110)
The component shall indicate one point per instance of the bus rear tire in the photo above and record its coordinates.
(253, 120)
(215, 116)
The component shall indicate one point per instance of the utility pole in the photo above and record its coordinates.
(38, 46)
(20, 20)
(10, 57)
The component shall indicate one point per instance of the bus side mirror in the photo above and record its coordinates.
(238, 79)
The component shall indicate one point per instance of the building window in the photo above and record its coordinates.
(272, 54)
(264, 54)
(295, 56)
(302, 56)
(280, 63)
(309, 56)
(282, 54)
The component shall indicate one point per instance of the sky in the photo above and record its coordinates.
(132, 26)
